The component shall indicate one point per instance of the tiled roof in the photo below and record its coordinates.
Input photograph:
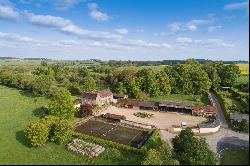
(148, 104)
(89, 95)
(105, 93)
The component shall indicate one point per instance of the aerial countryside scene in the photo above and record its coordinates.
(124, 82)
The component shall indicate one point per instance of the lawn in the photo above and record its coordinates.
(188, 99)
(17, 110)
(234, 156)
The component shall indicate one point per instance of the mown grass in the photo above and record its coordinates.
(17, 110)
(234, 156)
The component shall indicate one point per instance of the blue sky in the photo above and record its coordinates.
(125, 29)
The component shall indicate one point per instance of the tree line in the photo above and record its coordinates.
(188, 78)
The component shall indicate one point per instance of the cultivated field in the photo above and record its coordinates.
(244, 68)
(17, 110)
(162, 120)
(112, 132)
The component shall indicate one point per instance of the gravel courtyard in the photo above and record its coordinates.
(162, 120)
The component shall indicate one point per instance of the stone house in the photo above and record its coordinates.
(97, 98)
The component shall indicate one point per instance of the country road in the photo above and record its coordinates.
(219, 110)
(225, 134)
(224, 138)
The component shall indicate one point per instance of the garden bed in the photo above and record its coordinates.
(143, 115)
(113, 132)
(85, 148)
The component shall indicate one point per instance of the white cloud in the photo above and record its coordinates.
(207, 43)
(192, 25)
(57, 4)
(184, 40)
(92, 6)
(20, 40)
(15, 37)
(67, 26)
(213, 28)
(107, 45)
(99, 16)
(142, 43)
(122, 31)
(69, 42)
(48, 20)
(139, 30)
(8, 12)
(237, 6)
(96, 14)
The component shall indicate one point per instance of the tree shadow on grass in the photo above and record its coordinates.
(20, 137)
(26, 93)
(38, 112)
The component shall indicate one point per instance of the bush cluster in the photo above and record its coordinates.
(49, 128)
(143, 114)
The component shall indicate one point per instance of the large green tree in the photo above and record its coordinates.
(132, 87)
(213, 75)
(61, 104)
(191, 150)
(42, 85)
(229, 75)
(88, 84)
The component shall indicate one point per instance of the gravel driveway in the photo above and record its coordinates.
(161, 120)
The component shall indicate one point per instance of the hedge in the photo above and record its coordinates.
(107, 143)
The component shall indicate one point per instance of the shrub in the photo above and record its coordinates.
(62, 131)
(143, 114)
(61, 105)
(152, 158)
(37, 134)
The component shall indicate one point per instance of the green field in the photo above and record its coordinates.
(244, 68)
(234, 156)
(188, 99)
(30, 63)
(17, 110)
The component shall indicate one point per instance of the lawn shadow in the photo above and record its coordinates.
(38, 112)
(26, 93)
(20, 137)
(204, 99)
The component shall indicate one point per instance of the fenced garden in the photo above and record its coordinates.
(131, 136)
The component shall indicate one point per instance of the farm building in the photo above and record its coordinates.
(128, 103)
(113, 117)
(207, 110)
(174, 107)
(97, 98)
(148, 105)
(119, 96)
